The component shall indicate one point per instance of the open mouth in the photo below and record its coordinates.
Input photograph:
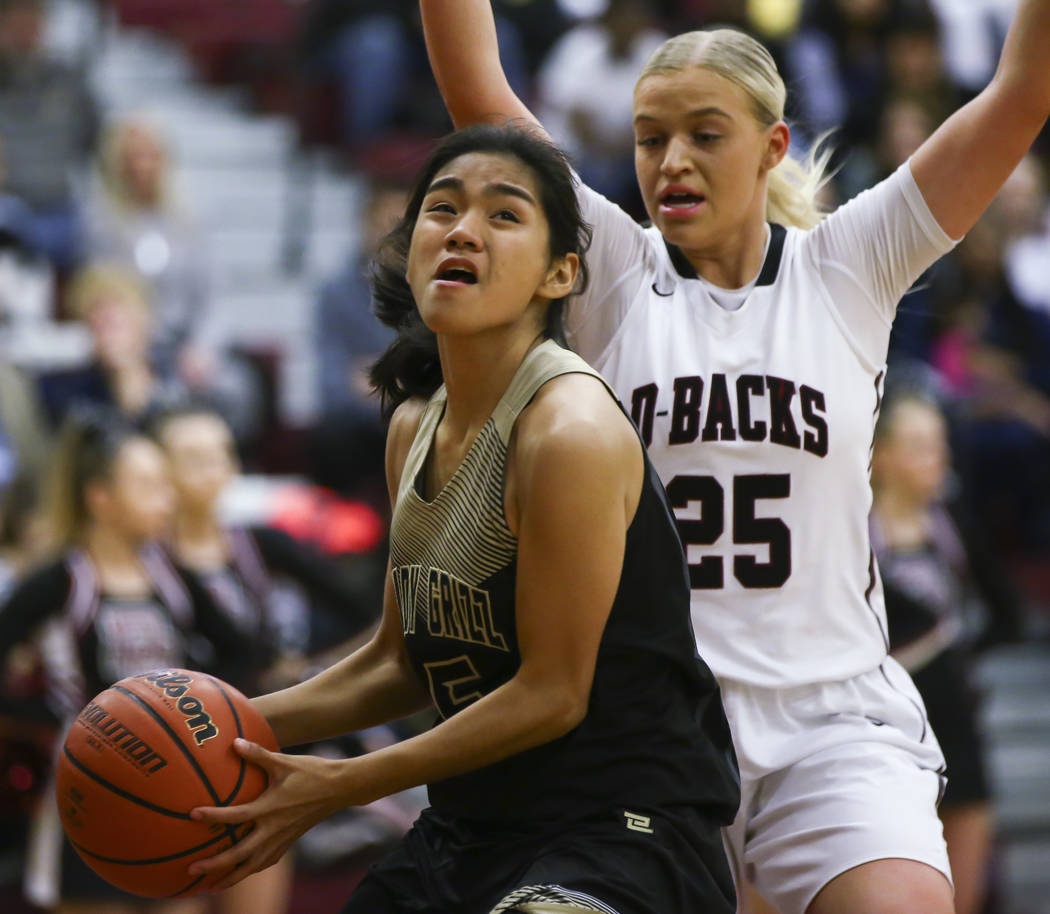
(457, 274)
(681, 200)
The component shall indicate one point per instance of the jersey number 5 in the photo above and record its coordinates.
(709, 572)
(452, 683)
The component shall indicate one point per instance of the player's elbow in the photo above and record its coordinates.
(564, 710)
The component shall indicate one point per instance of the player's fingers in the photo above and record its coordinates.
(227, 859)
(234, 876)
(273, 857)
(254, 753)
(225, 815)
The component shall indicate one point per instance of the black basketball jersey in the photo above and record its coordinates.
(87, 639)
(655, 733)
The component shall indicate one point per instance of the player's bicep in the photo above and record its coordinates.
(572, 532)
(961, 168)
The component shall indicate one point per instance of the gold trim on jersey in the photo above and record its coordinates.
(443, 550)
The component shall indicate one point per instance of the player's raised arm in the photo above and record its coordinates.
(464, 55)
(962, 166)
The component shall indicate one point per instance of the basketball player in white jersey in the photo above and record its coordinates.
(748, 335)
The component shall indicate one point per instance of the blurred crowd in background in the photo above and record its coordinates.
(106, 291)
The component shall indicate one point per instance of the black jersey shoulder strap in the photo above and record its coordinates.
(168, 586)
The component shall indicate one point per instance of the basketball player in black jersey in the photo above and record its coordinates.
(536, 598)
(106, 606)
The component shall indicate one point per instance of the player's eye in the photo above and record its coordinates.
(648, 141)
(507, 215)
(704, 136)
(441, 207)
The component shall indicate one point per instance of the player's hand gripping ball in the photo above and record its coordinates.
(138, 758)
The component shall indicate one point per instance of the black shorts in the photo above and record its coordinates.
(952, 702)
(670, 861)
(81, 883)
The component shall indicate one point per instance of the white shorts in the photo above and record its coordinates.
(833, 775)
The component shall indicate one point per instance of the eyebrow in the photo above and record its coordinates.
(498, 188)
(698, 112)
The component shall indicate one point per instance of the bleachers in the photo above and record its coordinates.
(255, 193)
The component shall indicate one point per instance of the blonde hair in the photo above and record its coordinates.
(110, 166)
(793, 186)
(99, 279)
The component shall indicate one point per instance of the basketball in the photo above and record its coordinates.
(138, 758)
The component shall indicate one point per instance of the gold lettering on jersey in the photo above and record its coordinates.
(458, 611)
(406, 586)
(453, 609)
(636, 822)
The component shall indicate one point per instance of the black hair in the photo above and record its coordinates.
(90, 441)
(410, 366)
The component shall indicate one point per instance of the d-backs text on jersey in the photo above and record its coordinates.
(707, 411)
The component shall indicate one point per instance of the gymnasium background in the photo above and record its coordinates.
(241, 158)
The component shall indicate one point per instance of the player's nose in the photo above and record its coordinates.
(676, 159)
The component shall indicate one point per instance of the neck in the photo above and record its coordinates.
(895, 506)
(110, 549)
(734, 257)
(194, 525)
(477, 370)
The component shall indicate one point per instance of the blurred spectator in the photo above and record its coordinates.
(350, 437)
(914, 67)
(48, 123)
(987, 354)
(138, 221)
(932, 566)
(903, 124)
(115, 305)
(586, 87)
(21, 533)
(108, 500)
(838, 61)
(973, 37)
(1025, 208)
(239, 568)
(537, 23)
(373, 50)
(23, 435)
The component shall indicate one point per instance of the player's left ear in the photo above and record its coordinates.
(561, 277)
(777, 140)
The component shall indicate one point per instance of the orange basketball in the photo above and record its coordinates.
(138, 758)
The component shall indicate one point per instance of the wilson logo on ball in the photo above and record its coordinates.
(175, 686)
(105, 726)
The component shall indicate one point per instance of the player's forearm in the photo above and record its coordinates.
(515, 717)
(370, 687)
(464, 55)
(1023, 72)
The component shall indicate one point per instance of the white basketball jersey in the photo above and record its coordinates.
(760, 420)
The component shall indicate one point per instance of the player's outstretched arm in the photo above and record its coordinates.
(464, 55)
(962, 166)
(578, 472)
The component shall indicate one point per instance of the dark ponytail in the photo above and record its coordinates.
(90, 440)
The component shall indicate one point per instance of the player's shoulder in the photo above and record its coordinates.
(574, 415)
(46, 586)
(404, 423)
